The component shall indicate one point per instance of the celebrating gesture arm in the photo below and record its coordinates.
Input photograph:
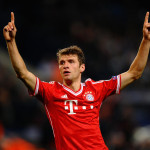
(18, 64)
(137, 67)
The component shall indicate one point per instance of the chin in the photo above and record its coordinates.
(67, 79)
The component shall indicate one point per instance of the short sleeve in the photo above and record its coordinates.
(112, 86)
(35, 89)
(43, 90)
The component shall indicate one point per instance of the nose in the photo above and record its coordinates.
(66, 65)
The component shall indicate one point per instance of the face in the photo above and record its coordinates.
(69, 67)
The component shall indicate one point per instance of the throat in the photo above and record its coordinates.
(74, 86)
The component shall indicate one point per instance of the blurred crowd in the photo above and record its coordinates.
(109, 34)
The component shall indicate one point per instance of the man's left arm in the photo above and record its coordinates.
(137, 67)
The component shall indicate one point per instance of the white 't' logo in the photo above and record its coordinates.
(71, 105)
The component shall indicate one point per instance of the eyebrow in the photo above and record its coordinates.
(70, 59)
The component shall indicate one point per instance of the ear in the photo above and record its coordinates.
(82, 68)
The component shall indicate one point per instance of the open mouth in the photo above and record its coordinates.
(66, 72)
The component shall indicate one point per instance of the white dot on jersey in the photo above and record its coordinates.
(83, 107)
(76, 107)
(66, 107)
(92, 106)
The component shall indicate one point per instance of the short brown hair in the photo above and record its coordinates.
(73, 50)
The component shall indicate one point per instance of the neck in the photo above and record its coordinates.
(75, 86)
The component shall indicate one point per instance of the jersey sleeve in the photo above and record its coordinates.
(43, 90)
(112, 86)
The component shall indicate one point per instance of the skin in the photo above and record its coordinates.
(137, 67)
(72, 79)
(71, 70)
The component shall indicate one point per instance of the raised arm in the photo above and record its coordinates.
(18, 64)
(137, 67)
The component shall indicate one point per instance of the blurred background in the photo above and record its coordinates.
(109, 34)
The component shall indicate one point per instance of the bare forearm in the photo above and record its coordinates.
(137, 67)
(9, 32)
(139, 63)
(16, 59)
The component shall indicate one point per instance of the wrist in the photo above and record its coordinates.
(10, 41)
(145, 40)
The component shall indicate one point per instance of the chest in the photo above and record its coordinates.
(76, 103)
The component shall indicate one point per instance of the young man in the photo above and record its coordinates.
(73, 107)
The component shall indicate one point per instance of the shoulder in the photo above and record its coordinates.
(90, 81)
(113, 78)
(94, 84)
(50, 84)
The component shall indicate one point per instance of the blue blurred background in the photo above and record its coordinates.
(109, 34)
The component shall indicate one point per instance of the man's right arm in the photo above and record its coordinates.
(18, 64)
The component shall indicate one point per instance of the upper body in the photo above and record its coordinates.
(71, 66)
(74, 116)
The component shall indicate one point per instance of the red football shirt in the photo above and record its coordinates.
(74, 116)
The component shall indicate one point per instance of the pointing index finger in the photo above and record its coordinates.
(12, 18)
(146, 17)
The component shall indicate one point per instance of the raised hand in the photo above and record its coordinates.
(10, 30)
(146, 27)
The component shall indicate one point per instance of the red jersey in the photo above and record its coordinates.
(74, 116)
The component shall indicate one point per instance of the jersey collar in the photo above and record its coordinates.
(73, 92)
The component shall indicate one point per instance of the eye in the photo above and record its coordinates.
(71, 61)
(61, 62)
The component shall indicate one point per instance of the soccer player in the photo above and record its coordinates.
(73, 107)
